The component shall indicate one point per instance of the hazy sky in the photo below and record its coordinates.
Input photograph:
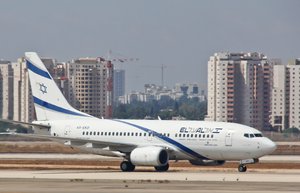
(180, 34)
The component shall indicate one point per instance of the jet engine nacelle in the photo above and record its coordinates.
(207, 162)
(149, 156)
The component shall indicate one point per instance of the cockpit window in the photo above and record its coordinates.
(250, 135)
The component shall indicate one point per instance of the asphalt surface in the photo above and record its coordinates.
(111, 179)
(56, 181)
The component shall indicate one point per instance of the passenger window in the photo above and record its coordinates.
(109, 133)
(199, 135)
(212, 136)
(183, 135)
(120, 133)
(195, 135)
(94, 132)
(117, 133)
(207, 136)
(132, 134)
(91, 133)
(175, 134)
(203, 136)
(168, 134)
(98, 133)
(191, 135)
(83, 133)
(140, 134)
(101, 133)
(105, 133)
(179, 135)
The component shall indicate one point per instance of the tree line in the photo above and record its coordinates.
(166, 108)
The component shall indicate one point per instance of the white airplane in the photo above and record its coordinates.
(141, 142)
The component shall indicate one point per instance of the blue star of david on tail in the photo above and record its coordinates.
(43, 88)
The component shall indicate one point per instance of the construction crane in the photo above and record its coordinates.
(117, 57)
(162, 68)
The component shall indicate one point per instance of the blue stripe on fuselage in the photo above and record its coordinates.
(167, 139)
(55, 108)
(37, 70)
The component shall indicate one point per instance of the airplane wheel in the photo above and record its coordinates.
(162, 168)
(242, 168)
(127, 166)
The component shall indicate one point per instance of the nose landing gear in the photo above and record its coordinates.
(242, 167)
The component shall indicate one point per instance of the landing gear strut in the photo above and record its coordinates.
(127, 166)
(162, 168)
(242, 167)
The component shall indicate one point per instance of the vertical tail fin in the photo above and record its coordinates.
(49, 102)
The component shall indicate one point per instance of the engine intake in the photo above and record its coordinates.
(149, 156)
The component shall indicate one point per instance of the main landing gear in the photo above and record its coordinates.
(162, 168)
(127, 166)
(242, 167)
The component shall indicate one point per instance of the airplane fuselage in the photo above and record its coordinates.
(191, 139)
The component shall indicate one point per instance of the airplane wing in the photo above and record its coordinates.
(25, 124)
(42, 132)
(77, 141)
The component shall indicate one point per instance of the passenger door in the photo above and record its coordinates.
(228, 138)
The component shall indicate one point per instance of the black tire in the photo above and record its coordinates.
(162, 168)
(242, 168)
(127, 166)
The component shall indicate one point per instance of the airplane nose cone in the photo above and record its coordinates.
(269, 146)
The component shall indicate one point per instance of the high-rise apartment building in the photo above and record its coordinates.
(239, 89)
(293, 86)
(279, 99)
(6, 90)
(286, 96)
(119, 83)
(23, 109)
(90, 86)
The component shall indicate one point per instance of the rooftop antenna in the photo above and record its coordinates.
(162, 74)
